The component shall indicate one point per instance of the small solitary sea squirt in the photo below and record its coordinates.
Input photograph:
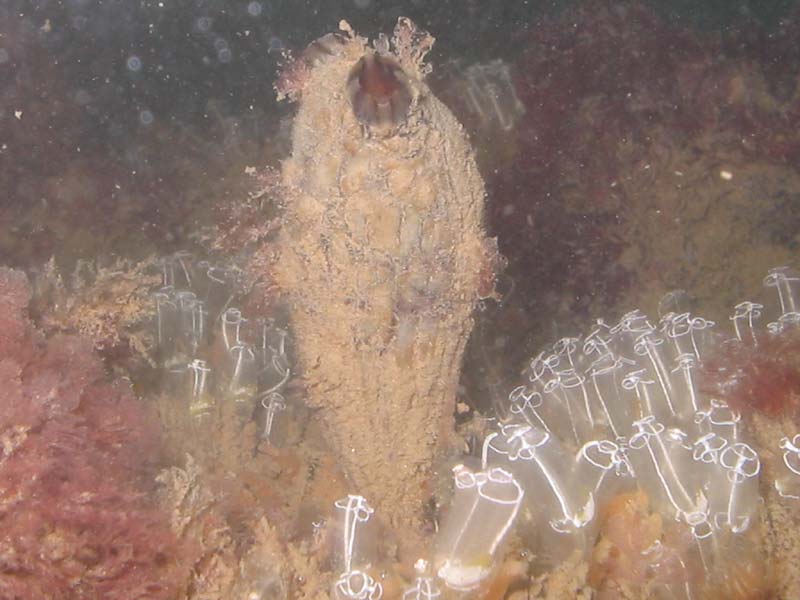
(381, 256)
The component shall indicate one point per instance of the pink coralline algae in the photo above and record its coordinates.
(75, 448)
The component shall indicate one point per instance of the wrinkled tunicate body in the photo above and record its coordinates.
(381, 258)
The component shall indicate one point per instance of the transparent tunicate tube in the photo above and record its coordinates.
(606, 376)
(706, 450)
(272, 358)
(243, 371)
(568, 390)
(746, 317)
(216, 285)
(274, 404)
(719, 418)
(566, 349)
(601, 468)
(641, 388)
(483, 509)
(654, 358)
(673, 302)
(356, 552)
(597, 344)
(525, 404)
(537, 403)
(688, 400)
(735, 500)
(488, 90)
(662, 460)
(540, 463)
(232, 321)
(728, 473)
(687, 334)
(541, 370)
(357, 585)
(424, 588)
(184, 300)
(182, 260)
(193, 319)
(623, 337)
(787, 480)
(167, 323)
(176, 270)
(201, 401)
(787, 285)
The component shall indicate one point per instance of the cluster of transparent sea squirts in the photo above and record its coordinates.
(195, 321)
(616, 409)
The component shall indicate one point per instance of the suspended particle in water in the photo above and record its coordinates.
(134, 63)
(254, 9)
(203, 24)
(146, 117)
(275, 43)
(224, 55)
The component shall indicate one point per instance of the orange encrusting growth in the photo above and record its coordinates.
(628, 530)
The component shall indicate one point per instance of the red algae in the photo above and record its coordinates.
(76, 452)
(763, 377)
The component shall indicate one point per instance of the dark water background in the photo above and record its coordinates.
(141, 102)
(171, 58)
